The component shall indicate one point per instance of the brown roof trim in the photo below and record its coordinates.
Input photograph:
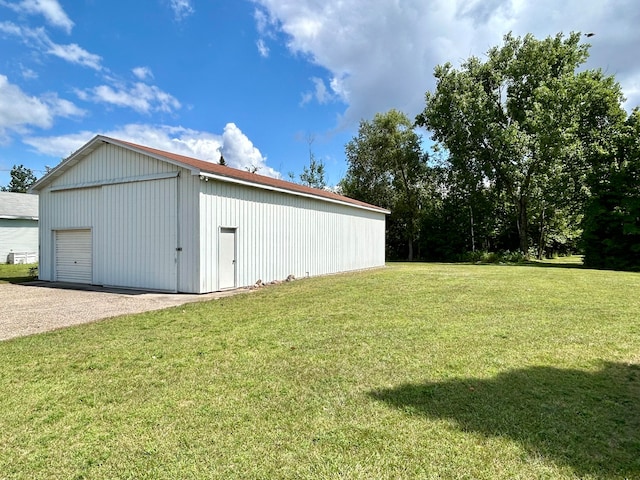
(241, 175)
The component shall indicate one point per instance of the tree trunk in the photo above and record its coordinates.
(523, 226)
(473, 237)
(541, 242)
(410, 256)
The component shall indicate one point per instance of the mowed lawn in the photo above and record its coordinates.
(410, 371)
(16, 273)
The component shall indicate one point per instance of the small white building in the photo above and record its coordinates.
(119, 214)
(18, 228)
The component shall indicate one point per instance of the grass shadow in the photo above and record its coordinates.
(16, 280)
(84, 287)
(589, 421)
(528, 264)
(553, 264)
(19, 273)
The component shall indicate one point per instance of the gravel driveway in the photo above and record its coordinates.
(37, 307)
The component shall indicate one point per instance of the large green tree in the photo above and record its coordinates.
(388, 168)
(21, 179)
(611, 237)
(517, 120)
(463, 215)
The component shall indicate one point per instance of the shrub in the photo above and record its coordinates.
(482, 256)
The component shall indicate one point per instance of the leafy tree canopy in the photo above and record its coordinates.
(387, 168)
(520, 120)
(611, 223)
(21, 179)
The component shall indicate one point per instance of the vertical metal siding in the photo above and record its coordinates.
(110, 211)
(18, 236)
(188, 233)
(111, 162)
(62, 211)
(280, 234)
(140, 235)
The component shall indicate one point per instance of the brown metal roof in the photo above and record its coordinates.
(244, 176)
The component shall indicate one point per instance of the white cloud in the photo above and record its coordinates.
(19, 111)
(143, 73)
(59, 146)
(339, 89)
(262, 48)
(266, 27)
(262, 21)
(27, 73)
(141, 97)
(183, 141)
(381, 54)
(239, 152)
(37, 38)
(632, 92)
(60, 107)
(10, 28)
(73, 53)
(50, 9)
(320, 93)
(181, 9)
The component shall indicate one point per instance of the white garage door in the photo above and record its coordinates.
(73, 256)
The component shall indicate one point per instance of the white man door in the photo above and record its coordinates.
(227, 259)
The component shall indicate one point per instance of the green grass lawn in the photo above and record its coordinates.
(16, 273)
(411, 371)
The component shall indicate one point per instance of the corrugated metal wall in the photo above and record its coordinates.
(17, 236)
(63, 211)
(188, 233)
(277, 234)
(140, 234)
(280, 234)
(134, 223)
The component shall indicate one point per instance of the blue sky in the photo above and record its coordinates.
(260, 81)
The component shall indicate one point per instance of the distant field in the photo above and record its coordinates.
(411, 371)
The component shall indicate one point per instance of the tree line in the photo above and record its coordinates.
(530, 154)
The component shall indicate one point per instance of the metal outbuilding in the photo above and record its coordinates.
(119, 214)
(18, 227)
